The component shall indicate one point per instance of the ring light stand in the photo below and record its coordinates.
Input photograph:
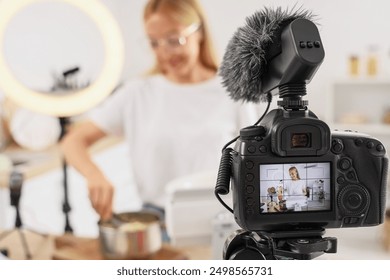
(65, 106)
(15, 187)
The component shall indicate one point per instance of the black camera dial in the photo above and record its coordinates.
(252, 131)
(353, 200)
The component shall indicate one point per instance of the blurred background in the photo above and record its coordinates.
(45, 38)
(351, 90)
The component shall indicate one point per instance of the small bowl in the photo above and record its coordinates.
(132, 235)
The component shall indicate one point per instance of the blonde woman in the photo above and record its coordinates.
(175, 121)
(296, 186)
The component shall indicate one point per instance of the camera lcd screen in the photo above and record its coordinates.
(295, 187)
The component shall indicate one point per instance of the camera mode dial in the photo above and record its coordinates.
(252, 131)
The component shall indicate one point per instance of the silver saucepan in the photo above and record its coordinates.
(133, 235)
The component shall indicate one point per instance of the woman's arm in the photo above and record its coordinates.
(75, 148)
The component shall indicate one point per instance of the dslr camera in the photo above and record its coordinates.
(291, 177)
(291, 172)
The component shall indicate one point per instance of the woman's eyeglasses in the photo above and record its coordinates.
(174, 42)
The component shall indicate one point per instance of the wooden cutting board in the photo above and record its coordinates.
(70, 247)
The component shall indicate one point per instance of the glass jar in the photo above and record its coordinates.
(372, 61)
(354, 65)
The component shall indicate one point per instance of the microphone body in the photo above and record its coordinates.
(274, 48)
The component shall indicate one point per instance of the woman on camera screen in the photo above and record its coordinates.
(295, 186)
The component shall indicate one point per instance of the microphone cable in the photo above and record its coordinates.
(225, 166)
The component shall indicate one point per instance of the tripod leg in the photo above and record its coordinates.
(3, 235)
(64, 122)
(24, 245)
(66, 207)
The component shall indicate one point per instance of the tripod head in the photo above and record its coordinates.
(300, 245)
(15, 186)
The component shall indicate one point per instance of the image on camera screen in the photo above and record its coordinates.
(295, 187)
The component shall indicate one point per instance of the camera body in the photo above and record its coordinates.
(292, 173)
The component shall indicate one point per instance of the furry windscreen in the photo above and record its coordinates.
(245, 58)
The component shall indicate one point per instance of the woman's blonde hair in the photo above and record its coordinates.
(186, 12)
(296, 170)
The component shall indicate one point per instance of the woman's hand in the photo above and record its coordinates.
(75, 146)
(101, 193)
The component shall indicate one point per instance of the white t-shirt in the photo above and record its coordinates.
(296, 187)
(172, 130)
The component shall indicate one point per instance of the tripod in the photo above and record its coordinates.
(65, 82)
(15, 186)
(64, 122)
(304, 244)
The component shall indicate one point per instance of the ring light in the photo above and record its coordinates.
(81, 100)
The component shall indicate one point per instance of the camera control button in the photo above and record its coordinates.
(380, 148)
(340, 180)
(345, 164)
(337, 146)
(351, 221)
(370, 145)
(302, 44)
(359, 142)
(249, 177)
(263, 149)
(250, 189)
(351, 175)
(250, 211)
(249, 164)
(251, 149)
(250, 201)
(354, 220)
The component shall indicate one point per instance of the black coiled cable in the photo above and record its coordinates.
(224, 174)
(225, 166)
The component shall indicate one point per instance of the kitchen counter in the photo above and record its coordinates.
(40, 246)
(48, 247)
(361, 243)
(364, 243)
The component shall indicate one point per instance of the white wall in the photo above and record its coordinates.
(51, 39)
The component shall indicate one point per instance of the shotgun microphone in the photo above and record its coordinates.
(274, 48)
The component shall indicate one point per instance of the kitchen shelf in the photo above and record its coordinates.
(363, 81)
(362, 100)
(359, 104)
